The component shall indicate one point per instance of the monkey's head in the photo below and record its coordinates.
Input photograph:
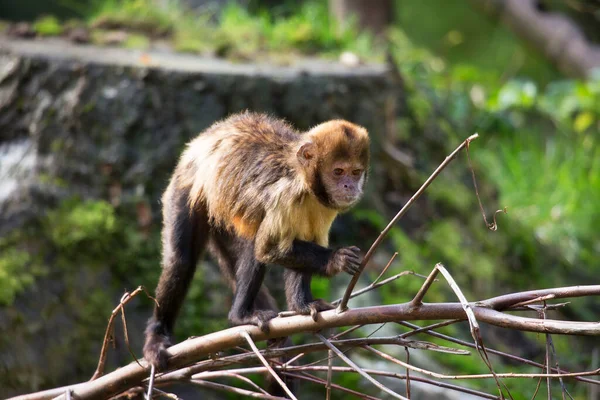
(335, 159)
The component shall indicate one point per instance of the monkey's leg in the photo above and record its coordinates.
(184, 236)
(248, 280)
(298, 294)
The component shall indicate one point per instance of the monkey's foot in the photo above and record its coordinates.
(258, 318)
(313, 308)
(155, 350)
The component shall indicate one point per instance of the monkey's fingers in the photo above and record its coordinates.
(313, 312)
(352, 266)
(314, 308)
(261, 319)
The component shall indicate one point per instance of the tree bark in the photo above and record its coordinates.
(555, 35)
(373, 16)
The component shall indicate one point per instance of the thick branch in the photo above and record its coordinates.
(555, 35)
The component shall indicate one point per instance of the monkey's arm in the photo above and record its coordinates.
(308, 256)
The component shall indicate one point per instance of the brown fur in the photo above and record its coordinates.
(256, 191)
(220, 168)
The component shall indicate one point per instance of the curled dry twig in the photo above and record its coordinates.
(126, 298)
(493, 226)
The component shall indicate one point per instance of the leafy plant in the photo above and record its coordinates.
(48, 26)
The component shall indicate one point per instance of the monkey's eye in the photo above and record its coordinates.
(357, 172)
(338, 171)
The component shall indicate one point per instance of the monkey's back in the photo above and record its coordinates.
(239, 167)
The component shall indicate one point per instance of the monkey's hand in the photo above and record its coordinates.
(346, 259)
(313, 308)
(155, 350)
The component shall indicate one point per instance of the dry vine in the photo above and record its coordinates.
(198, 361)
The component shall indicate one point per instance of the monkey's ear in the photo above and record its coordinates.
(306, 153)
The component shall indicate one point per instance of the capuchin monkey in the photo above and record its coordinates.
(255, 191)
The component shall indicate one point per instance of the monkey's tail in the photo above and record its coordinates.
(273, 387)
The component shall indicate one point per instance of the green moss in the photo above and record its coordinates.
(79, 225)
(20, 265)
(136, 41)
(16, 274)
(4, 25)
(193, 36)
(143, 16)
(48, 26)
(48, 179)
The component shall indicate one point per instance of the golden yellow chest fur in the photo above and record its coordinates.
(312, 221)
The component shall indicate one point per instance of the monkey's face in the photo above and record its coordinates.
(336, 181)
(343, 181)
(335, 160)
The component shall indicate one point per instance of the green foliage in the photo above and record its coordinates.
(20, 265)
(309, 30)
(320, 287)
(199, 316)
(538, 145)
(48, 26)
(85, 232)
(135, 41)
(77, 225)
(552, 181)
(138, 15)
(464, 37)
(18, 271)
(236, 32)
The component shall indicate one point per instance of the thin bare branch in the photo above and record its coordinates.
(329, 372)
(385, 268)
(358, 369)
(428, 328)
(473, 326)
(151, 382)
(506, 301)
(126, 298)
(497, 352)
(548, 360)
(229, 374)
(374, 285)
(395, 375)
(475, 376)
(235, 390)
(418, 299)
(407, 373)
(315, 379)
(246, 336)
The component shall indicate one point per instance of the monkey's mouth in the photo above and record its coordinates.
(346, 201)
